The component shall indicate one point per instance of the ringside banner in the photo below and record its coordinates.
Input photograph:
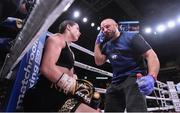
(27, 75)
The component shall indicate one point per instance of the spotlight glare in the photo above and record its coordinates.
(98, 28)
(178, 20)
(155, 33)
(171, 24)
(85, 19)
(161, 28)
(148, 30)
(76, 14)
(92, 24)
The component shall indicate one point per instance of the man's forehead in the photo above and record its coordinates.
(107, 21)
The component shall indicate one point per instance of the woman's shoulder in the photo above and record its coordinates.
(56, 39)
(56, 35)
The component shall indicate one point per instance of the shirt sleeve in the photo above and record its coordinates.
(139, 44)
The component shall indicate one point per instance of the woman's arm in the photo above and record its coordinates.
(51, 54)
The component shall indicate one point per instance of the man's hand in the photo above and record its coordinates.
(99, 57)
(146, 84)
(100, 38)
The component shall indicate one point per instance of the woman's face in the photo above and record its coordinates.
(75, 33)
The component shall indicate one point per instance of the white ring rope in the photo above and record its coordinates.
(161, 83)
(82, 49)
(158, 98)
(160, 108)
(162, 90)
(90, 68)
(101, 90)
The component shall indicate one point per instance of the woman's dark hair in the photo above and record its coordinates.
(64, 24)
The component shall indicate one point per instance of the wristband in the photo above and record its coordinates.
(154, 77)
(59, 78)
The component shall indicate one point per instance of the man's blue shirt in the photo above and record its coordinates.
(125, 55)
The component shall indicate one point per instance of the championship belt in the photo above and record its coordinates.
(70, 105)
(84, 91)
(83, 94)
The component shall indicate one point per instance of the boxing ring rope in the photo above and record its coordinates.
(101, 90)
(160, 108)
(161, 83)
(157, 98)
(90, 68)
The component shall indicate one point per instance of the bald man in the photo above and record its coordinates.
(127, 53)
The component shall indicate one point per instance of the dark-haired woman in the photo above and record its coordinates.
(57, 80)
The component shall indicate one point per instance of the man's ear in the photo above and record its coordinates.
(117, 25)
(68, 27)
